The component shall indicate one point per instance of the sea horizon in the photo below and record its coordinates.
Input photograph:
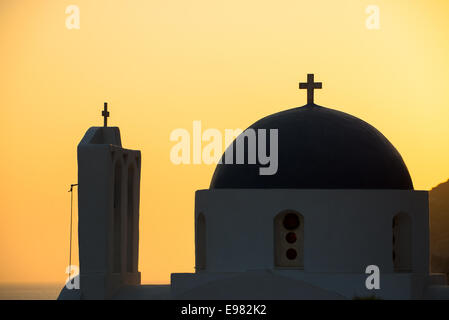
(30, 291)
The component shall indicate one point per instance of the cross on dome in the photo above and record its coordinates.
(310, 85)
(105, 114)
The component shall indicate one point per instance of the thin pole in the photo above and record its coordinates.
(70, 245)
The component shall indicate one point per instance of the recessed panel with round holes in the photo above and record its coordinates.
(289, 240)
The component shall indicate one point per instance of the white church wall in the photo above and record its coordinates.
(103, 203)
(348, 285)
(344, 230)
(94, 206)
(254, 285)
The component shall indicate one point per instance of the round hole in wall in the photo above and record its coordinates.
(291, 237)
(291, 221)
(291, 254)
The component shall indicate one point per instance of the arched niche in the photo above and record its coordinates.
(402, 242)
(200, 242)
(117, 219)
(130, 217)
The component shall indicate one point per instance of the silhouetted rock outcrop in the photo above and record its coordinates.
(439, 227)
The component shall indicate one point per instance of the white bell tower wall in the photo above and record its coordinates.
(108, 210)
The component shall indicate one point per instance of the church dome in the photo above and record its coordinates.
(320, 148)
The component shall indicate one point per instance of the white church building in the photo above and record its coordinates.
(342, 200)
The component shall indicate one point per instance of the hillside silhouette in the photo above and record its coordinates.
(439, 227)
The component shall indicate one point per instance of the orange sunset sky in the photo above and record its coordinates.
(163, 64)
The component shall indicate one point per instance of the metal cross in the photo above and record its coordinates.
(105, 114)
(310, 85)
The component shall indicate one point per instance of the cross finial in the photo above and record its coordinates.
(105, 114)
(310, 85)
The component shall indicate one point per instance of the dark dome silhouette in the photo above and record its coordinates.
(321, 148)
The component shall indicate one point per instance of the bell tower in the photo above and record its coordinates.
(108, 204)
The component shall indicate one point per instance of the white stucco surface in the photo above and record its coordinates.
(341, 232)
(344, 230)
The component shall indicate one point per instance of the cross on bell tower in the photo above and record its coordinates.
(105, 114)
(310, 85)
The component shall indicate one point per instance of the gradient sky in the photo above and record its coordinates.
(163, 64)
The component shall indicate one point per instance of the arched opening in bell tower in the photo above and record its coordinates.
(117, 220)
